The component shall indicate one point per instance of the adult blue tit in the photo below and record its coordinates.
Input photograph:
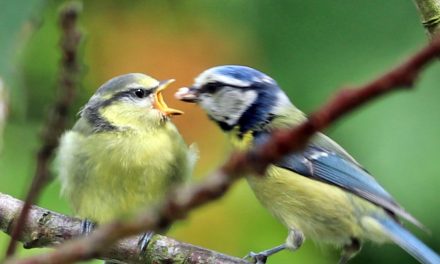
(320, 192)
(123, 154)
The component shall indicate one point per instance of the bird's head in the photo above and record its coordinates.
(236, 96)
(128, 101)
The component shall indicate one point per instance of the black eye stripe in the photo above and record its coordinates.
(134, 93)
(127, 93)
(211, 87)
(140, 92)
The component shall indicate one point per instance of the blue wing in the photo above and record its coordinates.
(329, 163)
(408, 241)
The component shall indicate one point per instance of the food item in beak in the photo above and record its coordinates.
(186, 94)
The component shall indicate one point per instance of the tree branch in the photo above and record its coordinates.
(57, 118)
(45, 228)
(183, 200)
(430, 14)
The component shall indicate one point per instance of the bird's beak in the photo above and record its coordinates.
(160, 104)
(190, 95)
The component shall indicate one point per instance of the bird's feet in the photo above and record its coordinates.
(87, 227)
(261, 257)
(350, 250)
(257, 258)
(144, 241)
(294, 240)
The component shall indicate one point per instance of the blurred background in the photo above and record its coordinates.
(312, 48)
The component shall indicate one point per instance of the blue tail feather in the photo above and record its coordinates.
(409, 242)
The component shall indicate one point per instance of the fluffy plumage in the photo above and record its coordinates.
(321, 192)
(124, 153)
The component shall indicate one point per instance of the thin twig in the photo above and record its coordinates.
(185, 199)
(56, 121)
(46, 228)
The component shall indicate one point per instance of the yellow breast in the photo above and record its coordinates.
(321, 211)
(112, 174)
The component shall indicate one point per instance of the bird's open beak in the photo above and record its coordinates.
(186, 94)
(160, 104)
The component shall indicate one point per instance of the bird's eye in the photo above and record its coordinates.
(140, 93)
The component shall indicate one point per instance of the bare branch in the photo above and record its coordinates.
(46, 228)
(282, 142)
(56, 121)
(430, 14)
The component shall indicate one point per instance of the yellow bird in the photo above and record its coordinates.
(123, 154)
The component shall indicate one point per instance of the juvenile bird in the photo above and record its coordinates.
(123, 154)
(320, 192)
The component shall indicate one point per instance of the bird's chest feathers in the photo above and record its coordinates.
(123, 171)
(134, 154)
(240, 141)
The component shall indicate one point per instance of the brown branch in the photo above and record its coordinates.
(430, 14)
(46, 228)
(185, 199)
(56, 121)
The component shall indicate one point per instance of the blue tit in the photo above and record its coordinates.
(123, 154)
(322, 192)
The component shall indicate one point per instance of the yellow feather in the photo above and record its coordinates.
(112, 174)
(243, 142)
(108, 175)
(122, 155)
(322, 212)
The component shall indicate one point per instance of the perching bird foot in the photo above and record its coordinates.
(350, 250)
(261, 257)
(144, 241)
(258, 258)
(87, 227)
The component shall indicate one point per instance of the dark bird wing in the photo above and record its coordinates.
(325, 161)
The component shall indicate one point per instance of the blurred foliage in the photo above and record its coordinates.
(3, 111)
(311, 47)
(17, 21)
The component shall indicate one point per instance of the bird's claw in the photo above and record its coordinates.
(87, 227)
(257, 258)
(261, 257)
(144, 241)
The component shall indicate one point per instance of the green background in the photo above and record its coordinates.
(312, 48)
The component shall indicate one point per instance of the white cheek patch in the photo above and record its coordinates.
(228, 105)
